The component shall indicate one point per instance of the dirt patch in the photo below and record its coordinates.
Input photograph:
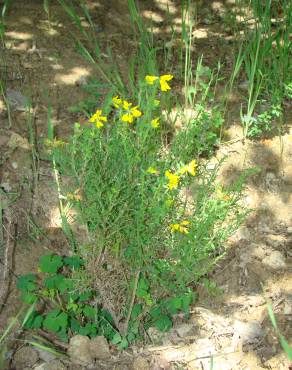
(230, 323)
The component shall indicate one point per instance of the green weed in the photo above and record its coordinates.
(127, 184)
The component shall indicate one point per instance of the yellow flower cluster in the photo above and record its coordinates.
(173, 178)
(182, 227)
(155, 123)
(97, 119)
(129, 113)
(189, 168)
(163, 80)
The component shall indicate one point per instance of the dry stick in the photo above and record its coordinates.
(8, 245)
(132, 301)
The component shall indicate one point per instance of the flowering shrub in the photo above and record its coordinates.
(156, 222)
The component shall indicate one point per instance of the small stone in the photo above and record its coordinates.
(276, 241)
(14, 165)
(288, 308)
(140, 363)
(16, 100)
(45, 355)
(79, 350)
(259, 250)
(275, 261)
(99, 348)
(243, 233)
(248, 332)
(82, 81)
(53, 365)
(289, 230)
(184, 330)
(17, 141)
(25, 357)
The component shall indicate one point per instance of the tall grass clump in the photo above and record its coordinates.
(266, 60)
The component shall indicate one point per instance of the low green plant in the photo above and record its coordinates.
(69, 309)
(149, 240)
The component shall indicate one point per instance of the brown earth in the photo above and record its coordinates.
(230, 320)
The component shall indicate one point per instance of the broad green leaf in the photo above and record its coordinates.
(74, 325)
(174, 305)
(155, 312)
(85, 296)
(65, 285)
(54, 281)
(84, 330)
(143, 284)
(50, 263)
(89, 311)
(55, 321)
(74, 261)
(116, 339)
(26, 283)
(51, 324)
(29, 298)
(137, 309)
(124, 344)
(37, 322)
(164, 323)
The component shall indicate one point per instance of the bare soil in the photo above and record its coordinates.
(230, 321)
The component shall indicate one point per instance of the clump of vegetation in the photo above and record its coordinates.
(156, 222)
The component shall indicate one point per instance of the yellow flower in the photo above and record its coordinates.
(127, 117)
(76, 196)
(189, 168)
(163, 82)
(221, 195)
(98, 119)
(130, 113)
(152, 171)
(173, 180)
(155, 123)
(117, 101)
(181, 227)
(136, 112)
(150, 79)
(126, 105)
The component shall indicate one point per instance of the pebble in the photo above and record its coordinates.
(275, 261)
(79, 350)
(16, 100)
(248, 332)
(25, 357)
(53, 365)
(99, 348)
(184, 330)
(140, 363)
(45, 355)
